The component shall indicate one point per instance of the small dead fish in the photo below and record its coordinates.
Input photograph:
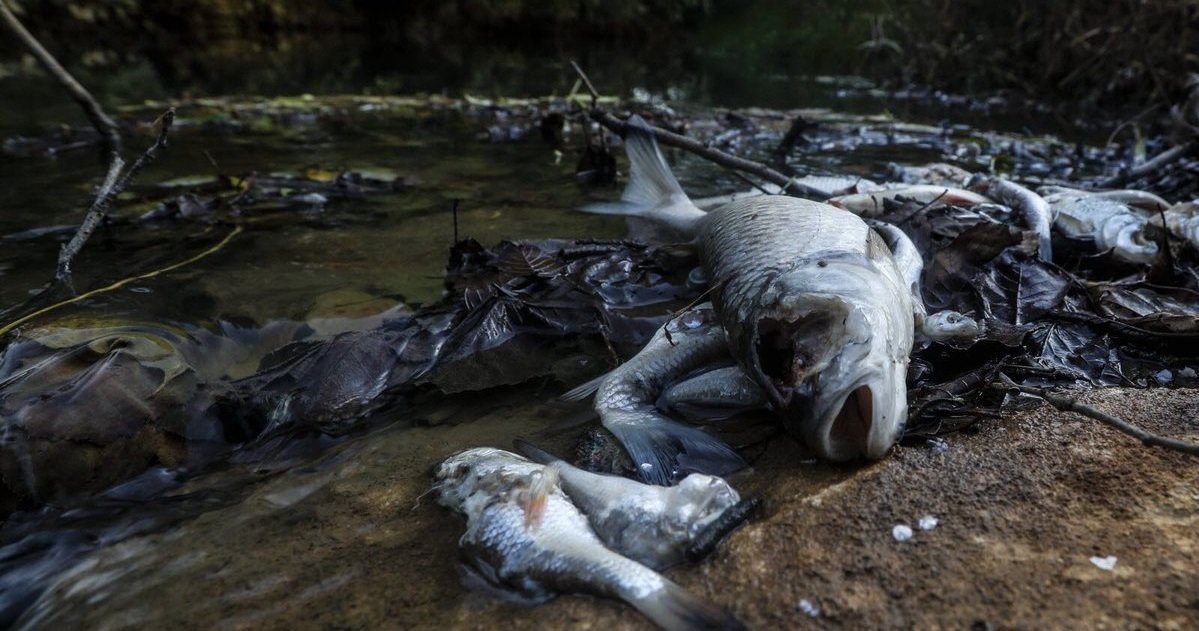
(662, 449)
(558, 551)
(814, 306)
(714, 395)
(1129, 197)
(875, 203)
(1111, 225)
(937, 174)
(1034, 208)
(653, 525)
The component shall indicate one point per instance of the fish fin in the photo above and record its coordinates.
(664, 451)
(652, 192)
(675, 609)
(532, 452)
(582, 391)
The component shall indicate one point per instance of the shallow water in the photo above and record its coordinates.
(325, 531)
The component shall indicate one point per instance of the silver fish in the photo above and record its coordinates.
(815, 309)
(524, 534)
(1111, 225)
(657, 526)
(1034, 208)
(714, 395)
(662, 449)
(874, 203)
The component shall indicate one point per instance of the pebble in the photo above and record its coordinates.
(807, 607)
(937, 445)
(1104, 563)
(1187, 373)
(928, 522)
(901, 532)
(1164, 376)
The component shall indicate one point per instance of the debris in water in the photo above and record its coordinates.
(1164, 376)
(937, 445)
(901, 532)
(807, 607)
(1107, 563)
(928, 522)
(1187, 373)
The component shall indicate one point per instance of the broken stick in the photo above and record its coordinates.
(1066, 404)
(786, 184)
(109, 133)
(111, 188)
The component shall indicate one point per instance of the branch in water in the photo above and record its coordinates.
(108, 192)
(787, 185)
(91, 108)
(1067, 404)
(1149, 166)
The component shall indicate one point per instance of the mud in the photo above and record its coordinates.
(1022, 504)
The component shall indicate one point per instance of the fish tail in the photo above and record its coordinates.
(652, 193)
(532, 452)
(664, 451)
(675, 609)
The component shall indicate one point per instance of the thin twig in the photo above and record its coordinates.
(121, 283)
(788, 185)
(107, 128)
(1067, 404)
(99, 208)
(587, 83)
(1156, 162)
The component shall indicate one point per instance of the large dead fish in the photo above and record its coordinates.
(815, 308)
(524, 534)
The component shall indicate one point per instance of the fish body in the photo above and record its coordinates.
(1110, 224)
(662, 449)
(1034, 208)
(653, 525)
(874, 203)
(557, 551)
(713, 395)
(815, 309)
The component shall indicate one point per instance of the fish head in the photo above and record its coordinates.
(696, 501)
(832, 358)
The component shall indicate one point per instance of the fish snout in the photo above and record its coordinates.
(863, 421)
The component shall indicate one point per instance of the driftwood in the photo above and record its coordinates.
(787, 185)
(1169, 156)
(109, 132)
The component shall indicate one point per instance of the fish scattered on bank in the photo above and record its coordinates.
(524, 534)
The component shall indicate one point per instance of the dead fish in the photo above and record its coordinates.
(1129, 197)
(937, 174)
(1034, 208)
(874, 204)
(523, 533)
(1111, 225)
(815, 309)
(828, 185)
(653, 525)
(1182, 220)
(714, 395)
(662, 449)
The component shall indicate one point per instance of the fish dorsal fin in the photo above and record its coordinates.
(652, 192)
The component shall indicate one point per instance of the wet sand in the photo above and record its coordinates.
(1022, 505)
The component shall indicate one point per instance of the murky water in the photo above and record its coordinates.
(327, 531)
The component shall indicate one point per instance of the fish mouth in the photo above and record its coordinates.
(848, 436)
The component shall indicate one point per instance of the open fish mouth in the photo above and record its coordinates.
(848, 435)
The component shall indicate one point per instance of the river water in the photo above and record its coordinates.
(337, 531)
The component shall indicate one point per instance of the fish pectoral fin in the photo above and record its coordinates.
(664, 451)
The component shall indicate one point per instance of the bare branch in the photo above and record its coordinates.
(109, 191)
(1067, 404)
(788, 185)
(1149, 166)
(91, 108)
